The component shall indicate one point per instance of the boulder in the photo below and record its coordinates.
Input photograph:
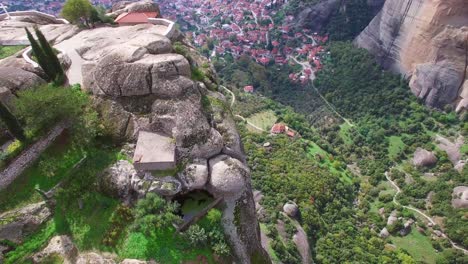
(195, 175)
(228, 176)
(15, 79)
(392, 219)
(291, 209)
(424, 158)
(117, 122)
(317, 16)
(437, 84)
(58, 245)
(212, 147)
(94, 258)
(460, 197)
(167, 186)
(134, 261)
(129, 6)
(115, 180)
(384, 233)
(460, 165)
(19, 223)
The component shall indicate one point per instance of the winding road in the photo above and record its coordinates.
(454, 245)
(233, 101)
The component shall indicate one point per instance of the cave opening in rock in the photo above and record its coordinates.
(193, 203)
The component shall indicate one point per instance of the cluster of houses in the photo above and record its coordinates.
(247, 27)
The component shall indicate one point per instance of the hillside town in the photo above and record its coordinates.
(255, 28)
(234, 28)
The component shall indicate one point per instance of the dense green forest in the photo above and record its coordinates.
(387, 125)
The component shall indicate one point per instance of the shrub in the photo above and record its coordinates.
(197, 74)
(153, 212)
(45, 106)
(14, 148)
(196, 235)
(78, 11)
(118, 222)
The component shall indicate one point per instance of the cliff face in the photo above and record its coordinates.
(427, 41)
(316, 17)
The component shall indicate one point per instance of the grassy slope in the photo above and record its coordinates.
(345, 134)
(264, 120)
(21, 191)
(395, 146)
(326, 161)
(418, 246)
(7, 51)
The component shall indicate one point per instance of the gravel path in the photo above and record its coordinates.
(454, 245)
(233, 101)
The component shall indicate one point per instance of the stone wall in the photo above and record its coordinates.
(164, 22)
(28, 156)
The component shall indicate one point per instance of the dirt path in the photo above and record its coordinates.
(312, 78)
(454, 245)
(233, 101)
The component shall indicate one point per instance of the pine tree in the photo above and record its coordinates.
(40, 56)
(11, 122)
(51, 57)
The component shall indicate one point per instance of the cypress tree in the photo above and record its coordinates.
(51, 57)
(40, 55)
(11, 122)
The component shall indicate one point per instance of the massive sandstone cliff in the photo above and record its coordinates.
(427, 41)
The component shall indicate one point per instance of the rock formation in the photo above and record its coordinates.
(19, 223)
(460, 197)
(427, 41)
(291, 209)
(317, 16)
(139, 84)
(63, 247)
(424, 158)
(129, 6)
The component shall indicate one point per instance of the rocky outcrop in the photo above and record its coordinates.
(424, 158)
(228, 176)
(139, 84)
(115, 181)
(195, 175)
(17, 224)
(427, 41)
(129, 6)
(384, 233)
(291, 209)
(460, 197)
(317, 16)
(13, 80)
(59, 245)
(63, 247)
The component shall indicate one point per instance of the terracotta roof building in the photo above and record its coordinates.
(278, 128)
(129, 19)
(249, 89)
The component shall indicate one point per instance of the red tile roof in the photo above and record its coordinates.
(135, 18)
(278, 128)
